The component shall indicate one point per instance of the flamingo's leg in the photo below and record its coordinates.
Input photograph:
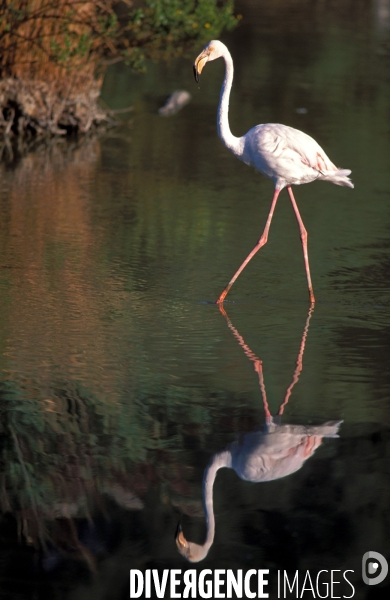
(304, 243)
(260, 243)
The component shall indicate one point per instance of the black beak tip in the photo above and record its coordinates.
(196, 74)
(178, 529)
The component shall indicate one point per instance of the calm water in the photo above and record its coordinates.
(120, 381)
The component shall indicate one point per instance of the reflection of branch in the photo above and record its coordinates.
(28, 483)
(24, 469)
(85, 553)
(258, 365)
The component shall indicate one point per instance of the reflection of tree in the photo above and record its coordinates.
(73, 432)
(48, 281)
(85, 409)
(85, 423)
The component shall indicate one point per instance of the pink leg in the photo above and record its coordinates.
(258, 365)
(304, 243)
(299, 363)
(260, 243)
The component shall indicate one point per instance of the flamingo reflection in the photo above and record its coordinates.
(274, 452)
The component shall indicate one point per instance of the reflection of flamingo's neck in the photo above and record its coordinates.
(222, 459)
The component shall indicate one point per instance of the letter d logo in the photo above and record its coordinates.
(374, 564)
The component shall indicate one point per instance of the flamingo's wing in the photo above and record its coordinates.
(304, 147)
(289, 156)
(272, 145)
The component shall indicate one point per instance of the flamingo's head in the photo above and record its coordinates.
(191, 551)
(212, 50)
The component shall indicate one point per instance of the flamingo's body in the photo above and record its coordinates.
(289, 156)
(275, 452)
(284, 154)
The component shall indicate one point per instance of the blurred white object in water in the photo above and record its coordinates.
(175, 102)
(381, 11)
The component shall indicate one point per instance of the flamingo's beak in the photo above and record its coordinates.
(181, 541)
(178, 529)
(199, 63)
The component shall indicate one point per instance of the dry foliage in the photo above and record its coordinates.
(50, 50)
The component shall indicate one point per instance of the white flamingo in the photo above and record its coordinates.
(276, 451)
(286, 155)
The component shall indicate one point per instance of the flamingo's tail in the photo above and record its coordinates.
(339, 177)
(329, 429)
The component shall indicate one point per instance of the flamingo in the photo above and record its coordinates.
(276, 451)
(284, 154)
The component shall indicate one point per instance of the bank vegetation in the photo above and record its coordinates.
(53, 54)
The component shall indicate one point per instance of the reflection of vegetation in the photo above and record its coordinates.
(85, 413)
(59, 452)
(49, 52)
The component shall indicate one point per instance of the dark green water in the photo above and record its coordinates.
(120, 380)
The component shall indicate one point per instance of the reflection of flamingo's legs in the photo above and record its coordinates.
(299, 364)
(258, 366)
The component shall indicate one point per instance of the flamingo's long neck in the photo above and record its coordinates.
(232, 142)
(222, 459)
